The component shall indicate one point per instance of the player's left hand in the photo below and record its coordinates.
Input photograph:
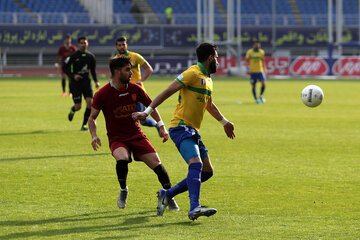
(138, 116)
(164, 133)
(97, 85)
(139, 83)
(95, 143)
(229, 130)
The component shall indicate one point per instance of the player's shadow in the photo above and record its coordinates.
(52, 156)
(123, 222)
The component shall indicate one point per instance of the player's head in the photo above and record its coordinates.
(120, 68)
(208, 53)
(83, 43)
(256, 45)
(121, 44)
(67, 40)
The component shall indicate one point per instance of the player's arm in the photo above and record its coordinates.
(93, 71)
(247, 57)
(95, 140)
(148, 70)
(170, 90)
(67, 67)
(156, 116)
(264, 66)
(215, 112)
(58, 58)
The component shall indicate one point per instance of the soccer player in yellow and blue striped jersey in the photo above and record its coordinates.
(137, 61)
(256, 61)
(195, 96)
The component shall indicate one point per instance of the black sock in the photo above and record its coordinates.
(206, 175)
(162, 176)
(262, 90)
(86, 116)
(63, 84)
(122, 171)
(73, 109)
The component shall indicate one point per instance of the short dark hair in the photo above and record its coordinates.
(68, 36)
(256, 41)
(121, 39)
(118, 62)
(82, 38)
(204, 50)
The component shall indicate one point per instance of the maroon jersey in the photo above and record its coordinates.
(64, 52)
(117, 107)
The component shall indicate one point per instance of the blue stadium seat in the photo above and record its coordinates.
(57, 6)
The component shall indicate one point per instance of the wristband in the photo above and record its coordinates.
(160, 123)
(224, 121)
(148, 110)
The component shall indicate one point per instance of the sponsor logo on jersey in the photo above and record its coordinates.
(180, 77)
(124, 111)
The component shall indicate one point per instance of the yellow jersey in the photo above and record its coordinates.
(193, 97)
(136, 61)
(256, 60)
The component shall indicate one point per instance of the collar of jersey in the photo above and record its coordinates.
(113, 85)
(203, 69)
(127, 53)
(254, 50)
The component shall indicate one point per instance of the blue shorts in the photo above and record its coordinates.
(254, 77)
(140, 107)
(188, 142)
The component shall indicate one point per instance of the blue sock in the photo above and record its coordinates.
(149, 122)
(254, 92)
(194, 184)
(182, 186)
(262, 90)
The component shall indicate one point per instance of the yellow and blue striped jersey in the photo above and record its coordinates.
(193, 97)
(136, 61)
(256, 60)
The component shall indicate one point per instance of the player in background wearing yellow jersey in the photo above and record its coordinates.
(256, 61)
(196, 87)
(137, 61)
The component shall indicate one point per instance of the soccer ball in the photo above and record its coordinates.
(312, 96)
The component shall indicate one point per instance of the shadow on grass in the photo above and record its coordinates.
(36, 132)
(130, 221)
(52, 156)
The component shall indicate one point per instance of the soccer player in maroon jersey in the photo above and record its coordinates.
(64, 51)
(117, 100)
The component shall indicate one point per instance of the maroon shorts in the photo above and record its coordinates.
(137, 147)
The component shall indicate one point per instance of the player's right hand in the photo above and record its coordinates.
(229, 130)
(95, 143)
(77, 77)
(164, 133)
(138, 116)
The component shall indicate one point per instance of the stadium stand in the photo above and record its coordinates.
(58, 6)
(255, 12)
(122, 10)
(7, 7)
(259, 12)
(308, 8)
(181, 9)
(52, 11)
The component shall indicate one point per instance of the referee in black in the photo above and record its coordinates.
(77, 67)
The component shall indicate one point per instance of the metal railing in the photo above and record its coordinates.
(178, 19)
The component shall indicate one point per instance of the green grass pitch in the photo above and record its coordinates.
(291, 173)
